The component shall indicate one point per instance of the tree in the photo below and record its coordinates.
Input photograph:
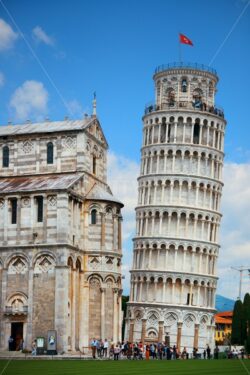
(246, 306)
(237, 324)
(125, 300)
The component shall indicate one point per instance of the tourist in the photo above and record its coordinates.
(216, 352)
(147, 352)
(94, 344)
(105, 348)
(116, 353)
(11, 343)
(208, 352)
(34, 348)
(205, 354)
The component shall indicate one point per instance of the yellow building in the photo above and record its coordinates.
(223, 330)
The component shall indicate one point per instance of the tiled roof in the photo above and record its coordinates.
(221, 320)
(100, 194)
(224, 317)
(40, 183)
(45, 127)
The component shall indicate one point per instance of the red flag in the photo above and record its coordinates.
(185, 40)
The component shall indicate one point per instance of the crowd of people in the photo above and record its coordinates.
(138, 351)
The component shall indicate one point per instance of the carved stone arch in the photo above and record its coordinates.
(17, 302)
(110, 278)
(44, 263)
(79, 263)
(138, 314)
(70, 262)
(170, 318)
(95, 276)
(204, 319)
(44, 252)
(152, 333)
(17, 254)
(94, 205)
(1, 264)
(153, 317)
(189, 319)
(17, 264)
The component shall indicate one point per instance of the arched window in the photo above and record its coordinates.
(94, 165)
(196, 133)
(184, 85)
(6, 156)
(93, 216)
(50, 153)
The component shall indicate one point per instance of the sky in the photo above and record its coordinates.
(55, 54)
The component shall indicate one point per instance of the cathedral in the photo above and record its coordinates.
(176, 246)
(60, 237)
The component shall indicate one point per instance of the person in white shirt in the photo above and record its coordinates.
(105, 348)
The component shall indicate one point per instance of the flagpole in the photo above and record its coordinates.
(180, 57)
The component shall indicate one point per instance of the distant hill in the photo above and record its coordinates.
(223, 303)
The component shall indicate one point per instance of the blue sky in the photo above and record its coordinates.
(113, 47)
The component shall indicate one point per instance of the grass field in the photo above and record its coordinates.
(85, 367)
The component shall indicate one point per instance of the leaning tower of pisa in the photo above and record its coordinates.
(173, 276)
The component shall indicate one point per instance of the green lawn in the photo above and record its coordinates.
(76, 367)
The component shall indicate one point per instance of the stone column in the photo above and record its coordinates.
(120, 315)
(131, 330)
(73, 308)
(3, 336)
(103, 333)
(179, 329)
(81, 309)
(119, 233)
(29, 336)
(143, 330)
(115, 338)
(161, 330)
(61, 307)
(196, 336)
(102, 231)
(85, 316)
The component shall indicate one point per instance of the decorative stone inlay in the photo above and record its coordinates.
(25, 202)
(44, 263)
(94, 262)
(69, 142)
(17, 266)
(170, 319)
(153, 319)
(189, 320)
(109, 263)
(138, 315)
(203, 322)
(27, 147)
(1, 203)
(94, 283)
(52, 200)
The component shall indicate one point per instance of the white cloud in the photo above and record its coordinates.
(122, 175)
(7, 36)
(2, 79)
(40, 36)
(235, 233)
(75, 108)
(29, 101)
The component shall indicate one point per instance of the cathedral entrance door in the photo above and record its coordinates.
(17, 334)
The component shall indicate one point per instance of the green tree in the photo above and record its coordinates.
(246, 306)
(125, 299)
(237, 324)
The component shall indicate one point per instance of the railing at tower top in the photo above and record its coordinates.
(184, 105)
(176, 65)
